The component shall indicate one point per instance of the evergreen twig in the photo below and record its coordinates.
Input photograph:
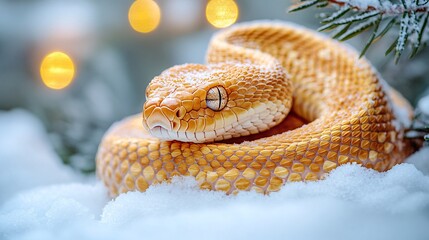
(354, 17)
(419, 127)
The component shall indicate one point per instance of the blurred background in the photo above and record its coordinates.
(111, 50)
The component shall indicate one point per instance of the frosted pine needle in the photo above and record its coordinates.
(352, 17)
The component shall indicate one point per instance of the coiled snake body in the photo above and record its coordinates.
(257, 73)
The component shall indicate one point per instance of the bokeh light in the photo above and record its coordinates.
(57, 70)
(144, 16)
(221, 13)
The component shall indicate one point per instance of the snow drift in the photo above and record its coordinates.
(42, 199)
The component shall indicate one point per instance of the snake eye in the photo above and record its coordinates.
(217, 98)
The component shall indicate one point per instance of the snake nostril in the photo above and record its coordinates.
(180, 112)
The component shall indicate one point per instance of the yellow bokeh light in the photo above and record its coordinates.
(57, 70)
(144, 15)
(221, 13)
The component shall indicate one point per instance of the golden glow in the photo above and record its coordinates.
(144, 15)
(221, 13)
(57, 70)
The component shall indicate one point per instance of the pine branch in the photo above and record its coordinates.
(373, 36)
(420, 6)
(336, 15)
(417, 44)
(304, 5)
(408, 17)
(419, 127)
(359, 29)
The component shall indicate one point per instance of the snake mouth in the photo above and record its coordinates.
(183, 136)
(161, 132)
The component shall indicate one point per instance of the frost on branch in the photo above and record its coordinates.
(352, 17)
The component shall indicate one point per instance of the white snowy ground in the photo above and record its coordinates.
(42, 199)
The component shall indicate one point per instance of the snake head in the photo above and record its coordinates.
(205, 103)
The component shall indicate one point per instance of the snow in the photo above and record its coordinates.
(26, 158)
(424, 105)
(409, 25)
(362, 4)
(386, 6)
(42, 199)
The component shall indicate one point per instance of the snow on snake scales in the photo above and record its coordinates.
(274, 103)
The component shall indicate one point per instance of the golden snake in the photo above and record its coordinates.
(341, 112)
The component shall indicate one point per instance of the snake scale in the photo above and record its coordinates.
(275, 103)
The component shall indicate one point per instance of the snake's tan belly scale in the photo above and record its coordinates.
(347, 114)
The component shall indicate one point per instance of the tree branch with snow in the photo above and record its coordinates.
(352, 17)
